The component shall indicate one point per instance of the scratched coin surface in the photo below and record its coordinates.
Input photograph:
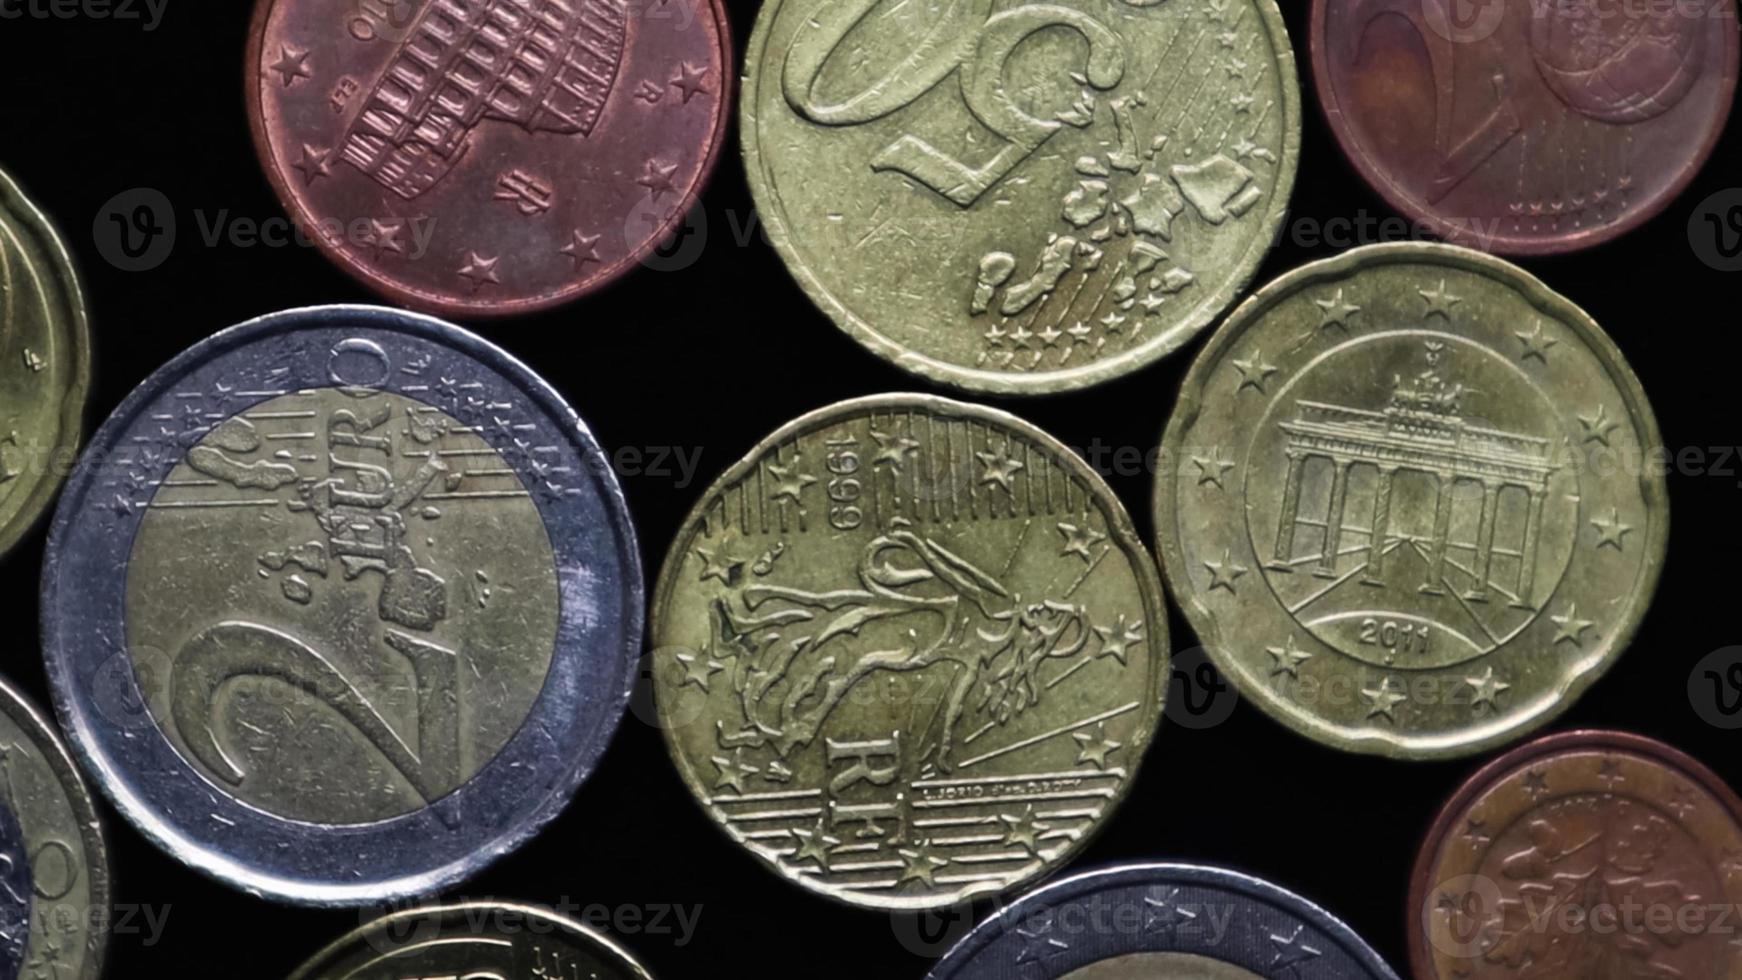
(343, 604)
(1413, 501)
(909, 651)
(54, 877)
(1021, 197)
(1588, 854)
(473, 941)
(488, 157)
(1523, 127)
(45, 363)
(1144, 921)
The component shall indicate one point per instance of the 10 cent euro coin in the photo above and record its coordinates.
(342, 605)
(1413, 501)
(909, 651)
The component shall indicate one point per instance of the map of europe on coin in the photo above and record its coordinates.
(344, 605)
(488, 157)
(1024, 197)
(1413, 501)
(909, 651)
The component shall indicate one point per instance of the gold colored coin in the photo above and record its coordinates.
(909, 651)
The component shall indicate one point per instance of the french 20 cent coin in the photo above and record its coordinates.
(45, 363)
(474, 940)
(1135, 922)
(1022, 198)
(488, 157)
(1412, 500)
(54, 876)
(1587, 854)
(1527, 128)
(909, 651)
(343, 604)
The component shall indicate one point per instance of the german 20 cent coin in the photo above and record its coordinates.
(1142, 921)
(488, 157)
(342, 604)
(1412, 500)
(1524, 127)
(476, 941)
(909, 651)
(1022, 197)
(45, 363)
(1588, 854)
(54, 877)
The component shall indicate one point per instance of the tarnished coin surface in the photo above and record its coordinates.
(1023, 197)
(909, 651)
(45, 363)
(1524, 127)
(342, 604)
(1589, 854)
(474, 941)
(1145, 921)
(54, 876)
(1412, 500)
(488, 157)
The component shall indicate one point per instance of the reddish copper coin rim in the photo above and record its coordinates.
(445, 305)
(1420, 963)
(1395, 195)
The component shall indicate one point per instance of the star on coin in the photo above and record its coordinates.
(314, 164)
(1021, 338)
(1383, 700)
(1095, 748)
(789, 484)
(721, 564)
(1039, 944)
(733, 771)
(920, 864)
(1117, 640)
(999, 468)
(1113, 322)
(292, 64)
(1598, 426)
(1535, 784)
(1476, 832)
(1288, 658)
(1336, 312)
(698, 670)
(582, 249)
(1050, 336)
(1224, 573)
(1080, 540)
(1487, 690)
(1569, 628)
(1612, 532)
(813, 844)
(1440, 301)
(1212, 469)
(1683, 802)
(1023, 830)
(1162, 912)
(657, 179)
(383, 237)
(479, 270)
(691, 81)
(1290, 952)
(1610, 773)
(1080, 333)
(893, 449)
(1535, 344)
(1254, 373)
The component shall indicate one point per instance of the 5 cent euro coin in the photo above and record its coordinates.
(342, 605)
(1413, 501)
(909, 651)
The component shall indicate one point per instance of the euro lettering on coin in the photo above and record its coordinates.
(1588, 854)
(488, 157)
(1526, 127)
(45, 364)
(1025, 197)
(909, 651)
(474, 941)
(343, 604)
(1414, 502)
(54, 877)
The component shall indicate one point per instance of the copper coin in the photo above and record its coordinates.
(1588, 855)
(488, 157)
(1526, 127)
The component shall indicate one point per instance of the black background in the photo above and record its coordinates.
(712, 358)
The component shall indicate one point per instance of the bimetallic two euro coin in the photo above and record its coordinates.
(45, 364)
(1142, 921)
(1022, 198)
(54, 877)
(1527, 128)
(474, 941)
(488, 157)
(909, 651)
(1413, 501)
(343, 604)
(1588, 854)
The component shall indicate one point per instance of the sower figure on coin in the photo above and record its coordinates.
(45, 364)
(1522, 127)
(342, 605)
(1414, 502)
(488, 157)
(908, 651)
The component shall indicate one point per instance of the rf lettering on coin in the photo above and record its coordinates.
(909, 651)
(1414, 501)
(1059, 194)
(343, 604)
(488, 157)
(45, 364)
(54, 877)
